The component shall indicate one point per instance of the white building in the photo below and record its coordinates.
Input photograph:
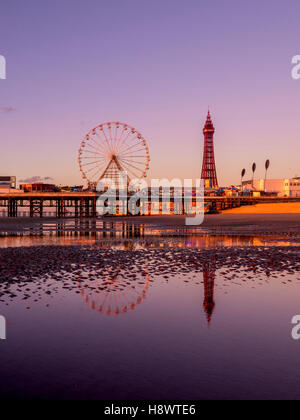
(281, 187)
(8, 185)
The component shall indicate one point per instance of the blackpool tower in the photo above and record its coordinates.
(209, 173)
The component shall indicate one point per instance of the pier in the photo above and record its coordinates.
(84, 204)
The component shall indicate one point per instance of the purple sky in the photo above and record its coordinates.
(157, 65)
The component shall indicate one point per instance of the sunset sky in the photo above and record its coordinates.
(156, 65)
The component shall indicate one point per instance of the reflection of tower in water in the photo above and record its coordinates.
(209, 275)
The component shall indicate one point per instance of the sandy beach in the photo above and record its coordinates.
(267, 208)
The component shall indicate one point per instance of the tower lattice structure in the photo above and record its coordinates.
(209, 172)
(209, 275)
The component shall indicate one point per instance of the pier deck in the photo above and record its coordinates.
(84, 204)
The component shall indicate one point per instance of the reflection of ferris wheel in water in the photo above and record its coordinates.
(112, 148)
(116, 295)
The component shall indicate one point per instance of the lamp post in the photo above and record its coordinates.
(253, 170)
(267, 165)
(242, 176)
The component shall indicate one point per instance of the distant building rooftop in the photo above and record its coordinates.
(38, 187)
(7, 182)
(289, 187)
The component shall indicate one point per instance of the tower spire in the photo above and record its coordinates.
(209, 173)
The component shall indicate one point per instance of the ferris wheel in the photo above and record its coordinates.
(112, 148)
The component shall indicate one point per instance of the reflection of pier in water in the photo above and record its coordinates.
(92, 231)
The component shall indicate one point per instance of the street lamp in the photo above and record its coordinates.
(242, 176)
(267, 165)
(253, 170)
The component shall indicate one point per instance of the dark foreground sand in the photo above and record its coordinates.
(86, 264)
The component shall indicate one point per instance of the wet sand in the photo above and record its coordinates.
(86, 264)
(201, 314)
(85, 323)
(232, 222)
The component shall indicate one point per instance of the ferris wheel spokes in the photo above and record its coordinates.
(112, 148)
